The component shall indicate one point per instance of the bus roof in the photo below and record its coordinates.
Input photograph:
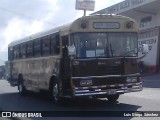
(66, 27)
(39, 34)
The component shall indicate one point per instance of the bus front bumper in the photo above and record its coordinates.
(107, 89)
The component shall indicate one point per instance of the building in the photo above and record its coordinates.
(2, 72)
(146, 13)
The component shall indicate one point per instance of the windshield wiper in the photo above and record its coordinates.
(130, 53)
(109, 50)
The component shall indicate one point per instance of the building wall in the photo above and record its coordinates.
(149, 34)
(158, 19)
(147, 15)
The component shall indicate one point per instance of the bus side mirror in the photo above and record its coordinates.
(71, 51)
(145, 49)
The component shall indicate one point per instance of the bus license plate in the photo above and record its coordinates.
(111, 92)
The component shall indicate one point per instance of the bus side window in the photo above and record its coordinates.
(16, 52)
(37, 48)
(55, 44)
(30, 49)
(10, 53)
(45, 46)
(23, 50)
(20, 51)
(65, 43)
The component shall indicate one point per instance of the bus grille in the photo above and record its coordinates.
(109, 70)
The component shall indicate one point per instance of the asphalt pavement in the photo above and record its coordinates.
(146, 100)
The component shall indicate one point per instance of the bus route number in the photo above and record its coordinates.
(106, 25)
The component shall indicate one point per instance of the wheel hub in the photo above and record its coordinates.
(55, 92)
(20, 87)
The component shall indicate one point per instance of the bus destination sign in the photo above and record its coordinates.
(106, 25)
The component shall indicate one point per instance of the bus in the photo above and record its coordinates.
(94, 56)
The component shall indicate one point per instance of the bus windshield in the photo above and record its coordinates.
(98, 45)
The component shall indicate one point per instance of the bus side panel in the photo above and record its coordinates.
(36, 72)
(44, 68)
(15, 72)
(22, 67)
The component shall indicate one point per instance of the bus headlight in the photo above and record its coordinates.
(129, 25)
(131, 79)
(84, 24)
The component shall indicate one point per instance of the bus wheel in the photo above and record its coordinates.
(21, 87)
(56, 94)
(112, 98)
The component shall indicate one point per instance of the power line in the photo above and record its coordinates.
(20, 14)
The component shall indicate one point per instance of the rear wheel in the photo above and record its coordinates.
(112, 98)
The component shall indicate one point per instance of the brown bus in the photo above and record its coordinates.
(92, 56)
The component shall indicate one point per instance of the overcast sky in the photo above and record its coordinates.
(19, 18)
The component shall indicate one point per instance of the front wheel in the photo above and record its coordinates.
(56, 94)
(112, 98)
(21, 88)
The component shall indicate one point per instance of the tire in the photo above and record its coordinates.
(55, 94)
(112, 98)
(21, 87)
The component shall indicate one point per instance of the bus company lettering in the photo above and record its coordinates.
(136, 2)
(128, 3)
(112, 9)
(150, 42)
(123, 5)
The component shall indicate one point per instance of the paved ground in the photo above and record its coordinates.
(147, 100)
